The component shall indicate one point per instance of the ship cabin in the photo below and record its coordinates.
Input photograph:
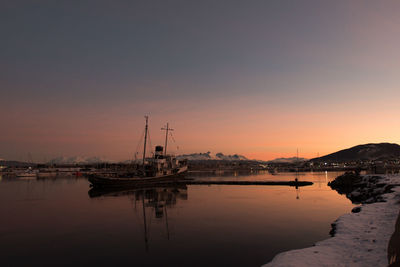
(162, 164)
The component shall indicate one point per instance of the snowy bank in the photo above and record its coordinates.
(361, 238)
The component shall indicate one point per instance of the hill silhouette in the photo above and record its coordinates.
(379, 151)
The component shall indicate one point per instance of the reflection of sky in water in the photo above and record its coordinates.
(55, 220)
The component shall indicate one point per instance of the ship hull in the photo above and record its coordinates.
(26, 175)
(98, 180)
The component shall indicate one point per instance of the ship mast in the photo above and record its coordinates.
(166, 137)
(145, 139)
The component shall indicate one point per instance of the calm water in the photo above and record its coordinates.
(58, 222)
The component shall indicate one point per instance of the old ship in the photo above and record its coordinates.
(155, 170)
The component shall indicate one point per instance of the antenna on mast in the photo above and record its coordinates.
(166, 129)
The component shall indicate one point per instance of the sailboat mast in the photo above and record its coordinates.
(145, 139)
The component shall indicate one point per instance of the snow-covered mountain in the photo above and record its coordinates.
(209, 156)
(287, 160)
(230, 157)
(77, 160)
(196, 156)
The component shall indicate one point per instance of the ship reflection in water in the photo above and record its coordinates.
(155, 200)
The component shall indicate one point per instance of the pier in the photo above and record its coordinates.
(282, 183)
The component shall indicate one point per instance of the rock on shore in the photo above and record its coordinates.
(361, 189)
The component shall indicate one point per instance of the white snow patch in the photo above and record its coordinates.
(78, 160)
(361, 239)
(287, 160)
(210, 156)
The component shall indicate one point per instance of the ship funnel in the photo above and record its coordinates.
(159, 151)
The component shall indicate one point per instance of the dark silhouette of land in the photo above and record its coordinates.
(367, 152)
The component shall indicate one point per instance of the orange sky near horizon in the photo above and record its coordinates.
(257, 132)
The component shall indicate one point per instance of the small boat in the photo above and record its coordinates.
(47, 172)
(26, 173)
(158, 169)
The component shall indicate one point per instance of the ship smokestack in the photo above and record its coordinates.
(159, 152)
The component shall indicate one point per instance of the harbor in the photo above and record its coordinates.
(181, 219)
(200, 133)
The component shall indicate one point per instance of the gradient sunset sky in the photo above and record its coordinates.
(257, 78)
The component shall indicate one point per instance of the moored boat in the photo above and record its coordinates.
(158, 169)
(28, 173)
(121, 180)
(47, 172)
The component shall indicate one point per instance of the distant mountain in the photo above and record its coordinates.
(379, 151)
(287, 160)
(13, 163)
(209, 156)
(230, 157)
(196, 156)
(78, 160)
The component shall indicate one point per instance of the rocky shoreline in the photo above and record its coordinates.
(361, 237)
(361, 189)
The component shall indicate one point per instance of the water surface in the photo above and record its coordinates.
(59, 222)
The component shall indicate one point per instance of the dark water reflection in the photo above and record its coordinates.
(58, 222)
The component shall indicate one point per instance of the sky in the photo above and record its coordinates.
(257, 78)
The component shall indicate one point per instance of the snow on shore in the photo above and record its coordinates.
(361, 239)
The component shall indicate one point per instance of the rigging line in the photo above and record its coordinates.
(173, 139)
(138, 145)
(150, 144)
